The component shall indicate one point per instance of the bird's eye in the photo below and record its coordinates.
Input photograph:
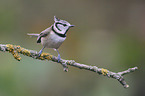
(64, 25)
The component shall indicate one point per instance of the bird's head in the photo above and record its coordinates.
(61, 26)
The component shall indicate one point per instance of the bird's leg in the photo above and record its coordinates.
(40, 52)
(58, 57)
(63, 64)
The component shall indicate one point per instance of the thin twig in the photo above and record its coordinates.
(15, 50)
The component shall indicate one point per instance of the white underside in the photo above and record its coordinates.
(52, 41)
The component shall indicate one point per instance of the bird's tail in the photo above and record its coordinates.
(33, 34)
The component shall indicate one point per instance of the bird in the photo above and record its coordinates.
(53, 36)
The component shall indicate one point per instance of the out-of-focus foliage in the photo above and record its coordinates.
(109, 34)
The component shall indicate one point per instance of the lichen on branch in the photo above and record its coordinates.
(14, 49)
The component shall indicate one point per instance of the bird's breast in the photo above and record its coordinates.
(52, 41)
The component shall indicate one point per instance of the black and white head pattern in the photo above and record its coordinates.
(61, 26)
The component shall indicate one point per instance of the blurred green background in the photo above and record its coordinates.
(107, 33)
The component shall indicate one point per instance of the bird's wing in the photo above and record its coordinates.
(43, 34)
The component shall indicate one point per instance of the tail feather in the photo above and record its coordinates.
(33, 34)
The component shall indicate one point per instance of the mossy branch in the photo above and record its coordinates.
(15, 50)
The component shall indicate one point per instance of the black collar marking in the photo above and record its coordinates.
(61, 35)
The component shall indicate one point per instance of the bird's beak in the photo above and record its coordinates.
(71, 25)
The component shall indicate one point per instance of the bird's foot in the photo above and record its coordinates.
(40, 52)
(58, 58)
